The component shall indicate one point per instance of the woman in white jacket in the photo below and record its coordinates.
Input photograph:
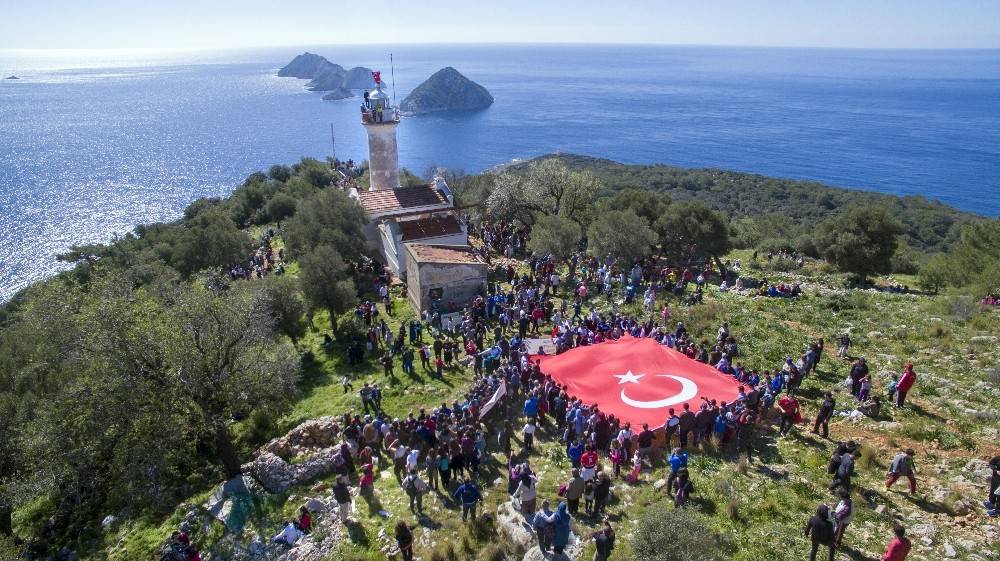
(526, 494)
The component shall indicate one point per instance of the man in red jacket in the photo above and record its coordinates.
(905, 383)
(899, 547)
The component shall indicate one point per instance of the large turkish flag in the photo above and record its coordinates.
(637, 380)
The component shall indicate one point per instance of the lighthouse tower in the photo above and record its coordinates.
(380, 119)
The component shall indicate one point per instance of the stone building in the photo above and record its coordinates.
(414, 230)
(443, 277)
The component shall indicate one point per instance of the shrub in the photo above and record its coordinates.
(669, 534)
(493, 552)
(733, 509)
(993, 376)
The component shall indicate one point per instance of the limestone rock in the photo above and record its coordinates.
(515, 527)
(277, 475)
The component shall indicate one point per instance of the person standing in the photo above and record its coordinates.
(824, 414)
(819, 529)
(602, 490)
(468, 494)
(789, 413)
(906, 382)
(842, 516)
(604, 542)
(845, 344)
(415, 489)
(542, 524)
(992, 502)
(678, 460)
(562, 522)
(899, 547)
(404, 540)
(574, 490)
(342, 495)
(902, 466)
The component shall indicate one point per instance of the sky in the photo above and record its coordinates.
(118, 24)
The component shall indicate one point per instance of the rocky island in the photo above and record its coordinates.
(326, 76)
(11, 77)
(446, 90)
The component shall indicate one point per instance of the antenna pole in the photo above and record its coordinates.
(333, 141)
(392, 70)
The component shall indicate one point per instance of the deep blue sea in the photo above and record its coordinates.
(93, 143)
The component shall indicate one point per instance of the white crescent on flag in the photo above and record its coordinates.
(688, 391)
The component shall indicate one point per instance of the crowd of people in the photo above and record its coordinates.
(262, 262)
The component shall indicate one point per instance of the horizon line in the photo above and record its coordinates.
(491, 43)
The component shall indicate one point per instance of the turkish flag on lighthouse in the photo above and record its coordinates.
(637, 380)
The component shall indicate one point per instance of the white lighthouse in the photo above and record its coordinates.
(380, 119)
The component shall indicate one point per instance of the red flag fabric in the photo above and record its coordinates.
(637, 380)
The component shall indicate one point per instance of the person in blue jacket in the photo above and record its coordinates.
(678, 461)
(469, 495)
(575, 452)
(531, 406)
(561, 528)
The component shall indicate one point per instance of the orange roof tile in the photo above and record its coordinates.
(387, 201)
(432, 227)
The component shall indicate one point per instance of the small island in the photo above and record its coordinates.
(326, 76)
(11, 77)
(446, 90)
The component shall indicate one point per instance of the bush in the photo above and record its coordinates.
(493, 552)
(669, 534)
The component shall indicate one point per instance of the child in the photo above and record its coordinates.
(529, 435)
(588, 497)
(616, 457)
(866, 388)
(636, 468)
(439, 364)
(891, 388)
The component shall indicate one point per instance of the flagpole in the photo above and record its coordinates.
(392, 70)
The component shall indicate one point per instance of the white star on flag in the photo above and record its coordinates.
(628, 377)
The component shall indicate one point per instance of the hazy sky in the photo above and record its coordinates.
(78, 24)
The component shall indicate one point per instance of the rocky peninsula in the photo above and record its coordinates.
(326, 76)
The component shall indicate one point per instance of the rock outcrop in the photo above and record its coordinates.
(325, 76)
(305, 66)
(310, 435)
(277, 475)
(339, 93)
(447, 90)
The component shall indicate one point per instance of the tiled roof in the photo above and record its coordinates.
(425, 253)
(387, 201)
(432, 227)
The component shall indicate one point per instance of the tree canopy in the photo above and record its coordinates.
(622, 234)
(555, 236)
(861, 240)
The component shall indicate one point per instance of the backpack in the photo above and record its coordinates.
(421, 486)
(410, 486)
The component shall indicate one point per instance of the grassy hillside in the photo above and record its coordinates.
(756, 504)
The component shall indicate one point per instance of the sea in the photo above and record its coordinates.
(94, 142)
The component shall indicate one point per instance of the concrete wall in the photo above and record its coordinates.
(459, 281)
(383, 164)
